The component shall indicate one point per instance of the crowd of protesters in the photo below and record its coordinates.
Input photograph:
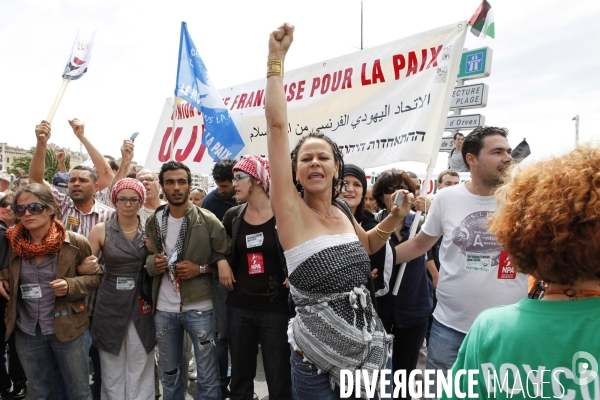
(296, 255)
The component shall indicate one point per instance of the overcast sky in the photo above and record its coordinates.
(545, 68)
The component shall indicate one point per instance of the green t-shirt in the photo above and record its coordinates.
(517, 347)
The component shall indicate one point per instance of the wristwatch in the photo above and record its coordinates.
(202, 268)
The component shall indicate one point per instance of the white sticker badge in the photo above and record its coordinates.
(125, 283)
(31, 291)
(479, 261)
(254, 240)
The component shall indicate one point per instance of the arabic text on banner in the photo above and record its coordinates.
(381, 105)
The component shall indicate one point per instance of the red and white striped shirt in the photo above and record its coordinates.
(77, 221)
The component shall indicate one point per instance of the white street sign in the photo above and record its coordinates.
(471, 96)
(462, 122)
(447, 144)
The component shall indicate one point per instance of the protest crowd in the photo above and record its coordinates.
(294, 255)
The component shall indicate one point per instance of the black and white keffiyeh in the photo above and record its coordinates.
(336, 326)
(161, 231)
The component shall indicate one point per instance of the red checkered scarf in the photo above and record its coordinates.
(258, 167)
(128, 183)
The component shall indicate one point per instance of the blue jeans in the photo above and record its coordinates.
(444, 343)
(222, 329)
(308, 383)
(247, 329)
(38, 355)
(169, 337)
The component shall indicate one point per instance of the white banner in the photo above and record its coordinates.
(381, 105)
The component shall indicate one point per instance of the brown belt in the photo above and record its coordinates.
(299, 352)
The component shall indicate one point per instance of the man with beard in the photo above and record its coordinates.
(184, 239)
(80, 211)
(475, 273)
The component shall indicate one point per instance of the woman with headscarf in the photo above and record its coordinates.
(355, 195)
(548, 222)
(257, 301)
(406, 314)
(336, 327)
(123, 329)
(46, 308)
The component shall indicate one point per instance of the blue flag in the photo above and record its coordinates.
(221, 136)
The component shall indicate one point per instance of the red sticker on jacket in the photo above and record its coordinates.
(506, 269)
(255, 263)
(177, 283)
(145, 307)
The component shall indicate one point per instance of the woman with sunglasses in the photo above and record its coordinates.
(46, 308)
(15, 376)
(336, 327)
(404, 315)
(123, 328)
(355, 195)
(257, 304)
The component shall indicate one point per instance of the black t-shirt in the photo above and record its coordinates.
(259, 275)
(4, 245)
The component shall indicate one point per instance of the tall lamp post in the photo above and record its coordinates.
(576, 119)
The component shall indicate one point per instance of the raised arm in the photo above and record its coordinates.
(282, 187)
(105, 174)
(374, 239)
(38, 161)
(414, 247)
(127, 151)
(61, 157)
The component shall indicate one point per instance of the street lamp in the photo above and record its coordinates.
(576, 119)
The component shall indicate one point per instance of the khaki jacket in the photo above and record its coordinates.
(205, 242)
(74, 249)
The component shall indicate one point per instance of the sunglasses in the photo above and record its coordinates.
(392, 189)
(6, 204)
(237, 178)
(33, 208)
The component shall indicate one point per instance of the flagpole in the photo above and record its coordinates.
(57, 100)
(173, 130)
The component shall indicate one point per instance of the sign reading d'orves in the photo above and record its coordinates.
(456, 122)
(471, 96)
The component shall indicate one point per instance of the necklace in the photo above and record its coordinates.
(136, 228)
(570, 292)
(322, 213)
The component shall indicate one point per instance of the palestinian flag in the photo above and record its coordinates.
(482, 22)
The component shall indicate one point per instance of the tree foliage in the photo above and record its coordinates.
(23, 163)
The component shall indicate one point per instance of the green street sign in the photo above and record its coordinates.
(475, 64)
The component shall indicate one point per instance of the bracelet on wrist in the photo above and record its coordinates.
(274, 67)
(381, 237)
(378, 229)
(202, 268)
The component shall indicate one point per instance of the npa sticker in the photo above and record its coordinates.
(255, 263)
(506, 269)
(254, 240)
(479, 261)
(145, 307)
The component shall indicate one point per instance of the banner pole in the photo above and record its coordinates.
(57, 100)
(415, 225)
(173, 130)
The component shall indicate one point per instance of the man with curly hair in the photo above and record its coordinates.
(475, 273)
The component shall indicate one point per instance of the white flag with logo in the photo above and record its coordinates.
(80, 57)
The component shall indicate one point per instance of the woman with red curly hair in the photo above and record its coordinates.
(549, 224)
